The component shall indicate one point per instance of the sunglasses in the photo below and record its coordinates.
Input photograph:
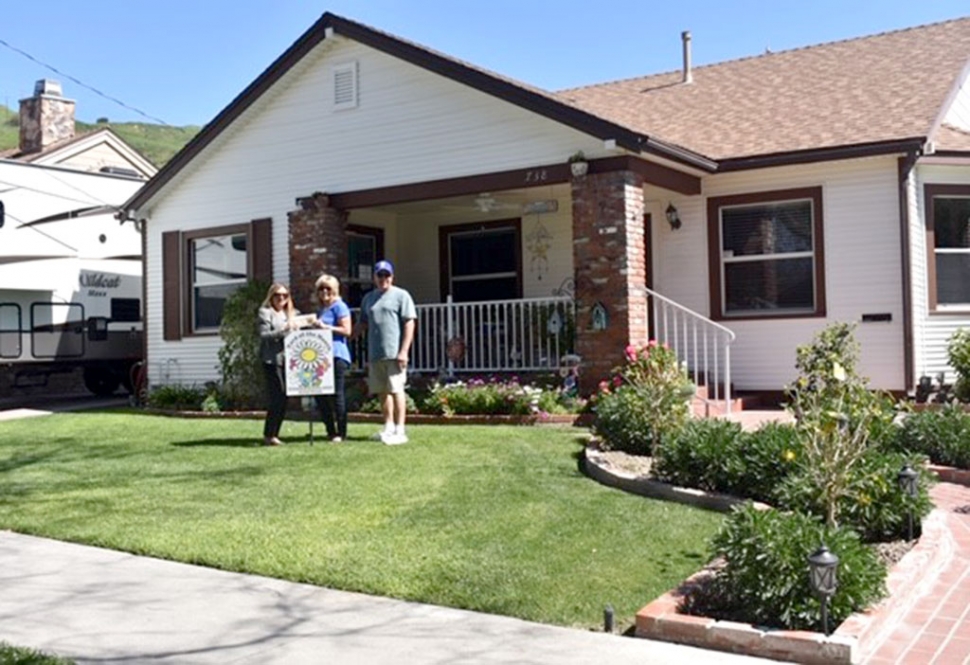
(383, 274)
(281, 295)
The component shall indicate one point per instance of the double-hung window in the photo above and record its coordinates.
(217, 268)
(948, 246)
(202, 268)
(481, 261)
(765, 252)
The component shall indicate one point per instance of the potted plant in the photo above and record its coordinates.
(578, 164)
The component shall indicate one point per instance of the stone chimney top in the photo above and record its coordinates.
(45, 118)
(48, 87)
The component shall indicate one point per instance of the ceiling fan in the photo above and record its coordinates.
(486, 203)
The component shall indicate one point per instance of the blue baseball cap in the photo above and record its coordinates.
(383, 266)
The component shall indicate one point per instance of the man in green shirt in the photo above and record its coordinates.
(388, 316)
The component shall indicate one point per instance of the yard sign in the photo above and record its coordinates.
(309, 362)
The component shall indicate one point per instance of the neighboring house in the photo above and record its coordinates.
(769, 195)
(70, 272)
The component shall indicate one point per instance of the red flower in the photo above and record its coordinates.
(631, 353)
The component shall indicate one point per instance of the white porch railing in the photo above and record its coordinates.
(704, 345)
(498, 335)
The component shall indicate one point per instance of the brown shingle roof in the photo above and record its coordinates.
(886, 87)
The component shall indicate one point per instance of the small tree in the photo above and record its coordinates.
(242, 377)
(835, 413)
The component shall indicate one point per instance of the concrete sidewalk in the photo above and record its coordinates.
(98, 606)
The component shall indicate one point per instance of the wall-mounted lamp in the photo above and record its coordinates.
(673, 217)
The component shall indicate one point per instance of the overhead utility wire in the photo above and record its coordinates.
(81, 83)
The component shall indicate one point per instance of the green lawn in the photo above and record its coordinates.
(496, 519)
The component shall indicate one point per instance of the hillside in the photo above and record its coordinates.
(158, 143)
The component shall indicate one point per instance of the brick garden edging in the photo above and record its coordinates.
(578, 420)
(661, 620)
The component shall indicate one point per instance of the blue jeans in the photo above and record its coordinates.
(333, 408)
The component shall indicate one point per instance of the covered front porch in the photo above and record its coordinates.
(513, 271)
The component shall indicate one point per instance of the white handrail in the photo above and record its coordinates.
(707, 355)
(528, 334)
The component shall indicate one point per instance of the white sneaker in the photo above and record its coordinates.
(394, 439)
(379, 436)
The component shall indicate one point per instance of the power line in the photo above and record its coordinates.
(81, 83)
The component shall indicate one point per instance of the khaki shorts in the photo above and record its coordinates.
(386, 376)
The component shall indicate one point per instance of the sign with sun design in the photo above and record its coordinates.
(309, 362)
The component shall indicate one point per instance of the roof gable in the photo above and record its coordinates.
(62, 152)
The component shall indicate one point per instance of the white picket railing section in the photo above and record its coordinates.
(704, 345)
(497, 335)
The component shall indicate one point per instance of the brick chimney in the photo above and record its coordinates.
(45, 118)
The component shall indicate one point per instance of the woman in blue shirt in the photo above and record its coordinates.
(335, 316)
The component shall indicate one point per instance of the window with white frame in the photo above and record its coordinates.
(948, 245)
(766, 258)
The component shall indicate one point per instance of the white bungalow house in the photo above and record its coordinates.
(732, 210)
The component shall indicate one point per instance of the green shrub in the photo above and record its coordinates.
(706, 454)
(177, 397)
(243, 384)
(715, 455)
(646, 401)
(771, 453)
(622, 421)
(874, 505)
(942, 435)
(765, 581)
(958, 351)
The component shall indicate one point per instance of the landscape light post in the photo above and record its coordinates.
(908, 481)
(822, 566)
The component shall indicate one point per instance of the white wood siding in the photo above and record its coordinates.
(409, 126)
(958, 114)
(934, 329)
(862, 267)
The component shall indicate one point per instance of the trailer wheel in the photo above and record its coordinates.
(102, 382)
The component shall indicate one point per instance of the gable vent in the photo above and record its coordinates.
(345, 86)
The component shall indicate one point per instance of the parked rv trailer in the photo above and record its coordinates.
(69, 313)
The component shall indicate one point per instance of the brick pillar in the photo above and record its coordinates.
(318, 244)
(609, 260)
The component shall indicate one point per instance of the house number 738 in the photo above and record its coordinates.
(538, 175)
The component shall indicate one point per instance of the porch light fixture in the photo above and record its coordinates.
(673, 217)
(908, 480)
(822, 566)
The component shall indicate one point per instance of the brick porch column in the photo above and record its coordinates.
(318, 244)
(609, 260)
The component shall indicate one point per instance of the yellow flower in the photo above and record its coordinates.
(788, 455)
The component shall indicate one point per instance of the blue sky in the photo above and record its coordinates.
(182, 61)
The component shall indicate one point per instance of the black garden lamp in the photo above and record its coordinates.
(908, 480)
(822, 566)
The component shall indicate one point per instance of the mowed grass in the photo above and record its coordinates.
(490, 518)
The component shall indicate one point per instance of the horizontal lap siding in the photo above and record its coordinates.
(935, 330)
(862, 268)
(410, 126)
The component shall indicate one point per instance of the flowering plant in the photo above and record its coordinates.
(645, 400)
(493, 397)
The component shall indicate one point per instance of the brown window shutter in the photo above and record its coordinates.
(262, 258)
(171, 285)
